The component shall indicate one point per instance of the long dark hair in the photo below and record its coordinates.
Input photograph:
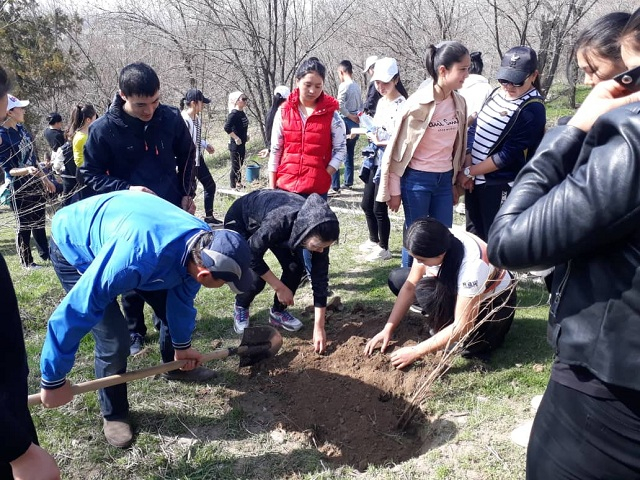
(631, 33)
(444, 53)
(424, 238)
(79, 114)
(268, 124)
(311, 65)
(602, 38)
(476, 63)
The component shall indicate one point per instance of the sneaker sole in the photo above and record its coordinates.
(238, 330)
(283, 326)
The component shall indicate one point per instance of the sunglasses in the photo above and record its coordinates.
(507, 82)
(244, 99)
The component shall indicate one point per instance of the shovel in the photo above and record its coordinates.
(258, 343)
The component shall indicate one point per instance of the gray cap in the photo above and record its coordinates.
(228, 258)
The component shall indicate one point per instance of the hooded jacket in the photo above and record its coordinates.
(576, 205)
(122, 151)
(270, 218)
(118, 249)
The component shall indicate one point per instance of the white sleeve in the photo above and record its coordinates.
(277, 140)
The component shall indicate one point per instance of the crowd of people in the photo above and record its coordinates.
(562, 199)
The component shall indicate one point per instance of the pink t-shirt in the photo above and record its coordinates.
(435, 152)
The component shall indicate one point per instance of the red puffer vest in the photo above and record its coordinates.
(307, 146)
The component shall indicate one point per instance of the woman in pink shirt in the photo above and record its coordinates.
(423, 158)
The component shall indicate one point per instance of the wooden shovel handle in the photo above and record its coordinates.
(112, 380)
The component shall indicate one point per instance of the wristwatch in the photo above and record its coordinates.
(467, 172)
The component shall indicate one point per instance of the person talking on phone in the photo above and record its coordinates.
(576, 205)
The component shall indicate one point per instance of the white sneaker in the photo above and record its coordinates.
(240, 319)
(461, 208)
(378, 253)
(367, 246)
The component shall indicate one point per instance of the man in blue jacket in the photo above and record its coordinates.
(140, 144)
(118, 242)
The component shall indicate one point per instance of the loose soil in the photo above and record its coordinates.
(344, 403)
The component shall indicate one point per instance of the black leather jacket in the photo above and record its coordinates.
(576, 204)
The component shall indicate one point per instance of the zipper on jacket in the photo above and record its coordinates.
(556, 298)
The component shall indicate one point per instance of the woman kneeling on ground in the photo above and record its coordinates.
(465, 297)
(285, 223)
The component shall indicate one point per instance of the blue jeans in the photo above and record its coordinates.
(425, 194)
(111, 336)
(348, 162)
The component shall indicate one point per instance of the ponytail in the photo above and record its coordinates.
(443, 54)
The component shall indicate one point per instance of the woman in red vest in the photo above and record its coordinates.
(308, 140)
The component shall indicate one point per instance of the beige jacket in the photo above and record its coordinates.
(418, 110)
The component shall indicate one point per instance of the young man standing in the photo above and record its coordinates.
(350, 100)
(110, 244)
(140, 144)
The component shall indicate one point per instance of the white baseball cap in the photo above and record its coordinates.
(14, 102)
(369, 62)
(385, 69)
(283, 90)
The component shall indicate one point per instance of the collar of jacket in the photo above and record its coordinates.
(324, 104)
(122, 119)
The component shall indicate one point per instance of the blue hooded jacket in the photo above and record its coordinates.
(117, 248)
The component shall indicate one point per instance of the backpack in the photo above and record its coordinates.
(62, 160)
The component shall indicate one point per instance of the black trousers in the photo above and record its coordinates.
(237, 160)
(133, 310)
(496, 313)
(579, 437)
(292, 265)
(203, 174)
(29, 205)
(482, 205)
(376, 213)
(13, 381)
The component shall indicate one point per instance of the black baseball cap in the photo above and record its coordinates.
(53, 118)
(517, 64)
(195, 95)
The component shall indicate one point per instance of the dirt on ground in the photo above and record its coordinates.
(345, 404)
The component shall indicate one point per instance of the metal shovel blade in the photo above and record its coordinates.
(258, 343)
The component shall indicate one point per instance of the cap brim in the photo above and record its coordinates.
(512, 75)
(381, 78)
(206, 100)
(243, 284)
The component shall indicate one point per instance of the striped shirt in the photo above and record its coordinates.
(492, 120)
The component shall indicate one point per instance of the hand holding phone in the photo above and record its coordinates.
(629, 79)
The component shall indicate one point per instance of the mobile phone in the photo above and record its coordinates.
(629, 79)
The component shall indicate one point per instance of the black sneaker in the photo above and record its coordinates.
(306, 278)
(137, 341)
(211, 220)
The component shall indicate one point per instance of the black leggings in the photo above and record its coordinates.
(292, 270)
(29, 205)
(482, 205)
(237, 160)
(376, 213)
(209, 186)
(579, 437)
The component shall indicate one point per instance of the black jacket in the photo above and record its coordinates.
(15, 420)
(122, 151)
(269, 218)
(576, 204)
(54, 137)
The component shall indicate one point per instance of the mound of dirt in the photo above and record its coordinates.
(346, 404)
